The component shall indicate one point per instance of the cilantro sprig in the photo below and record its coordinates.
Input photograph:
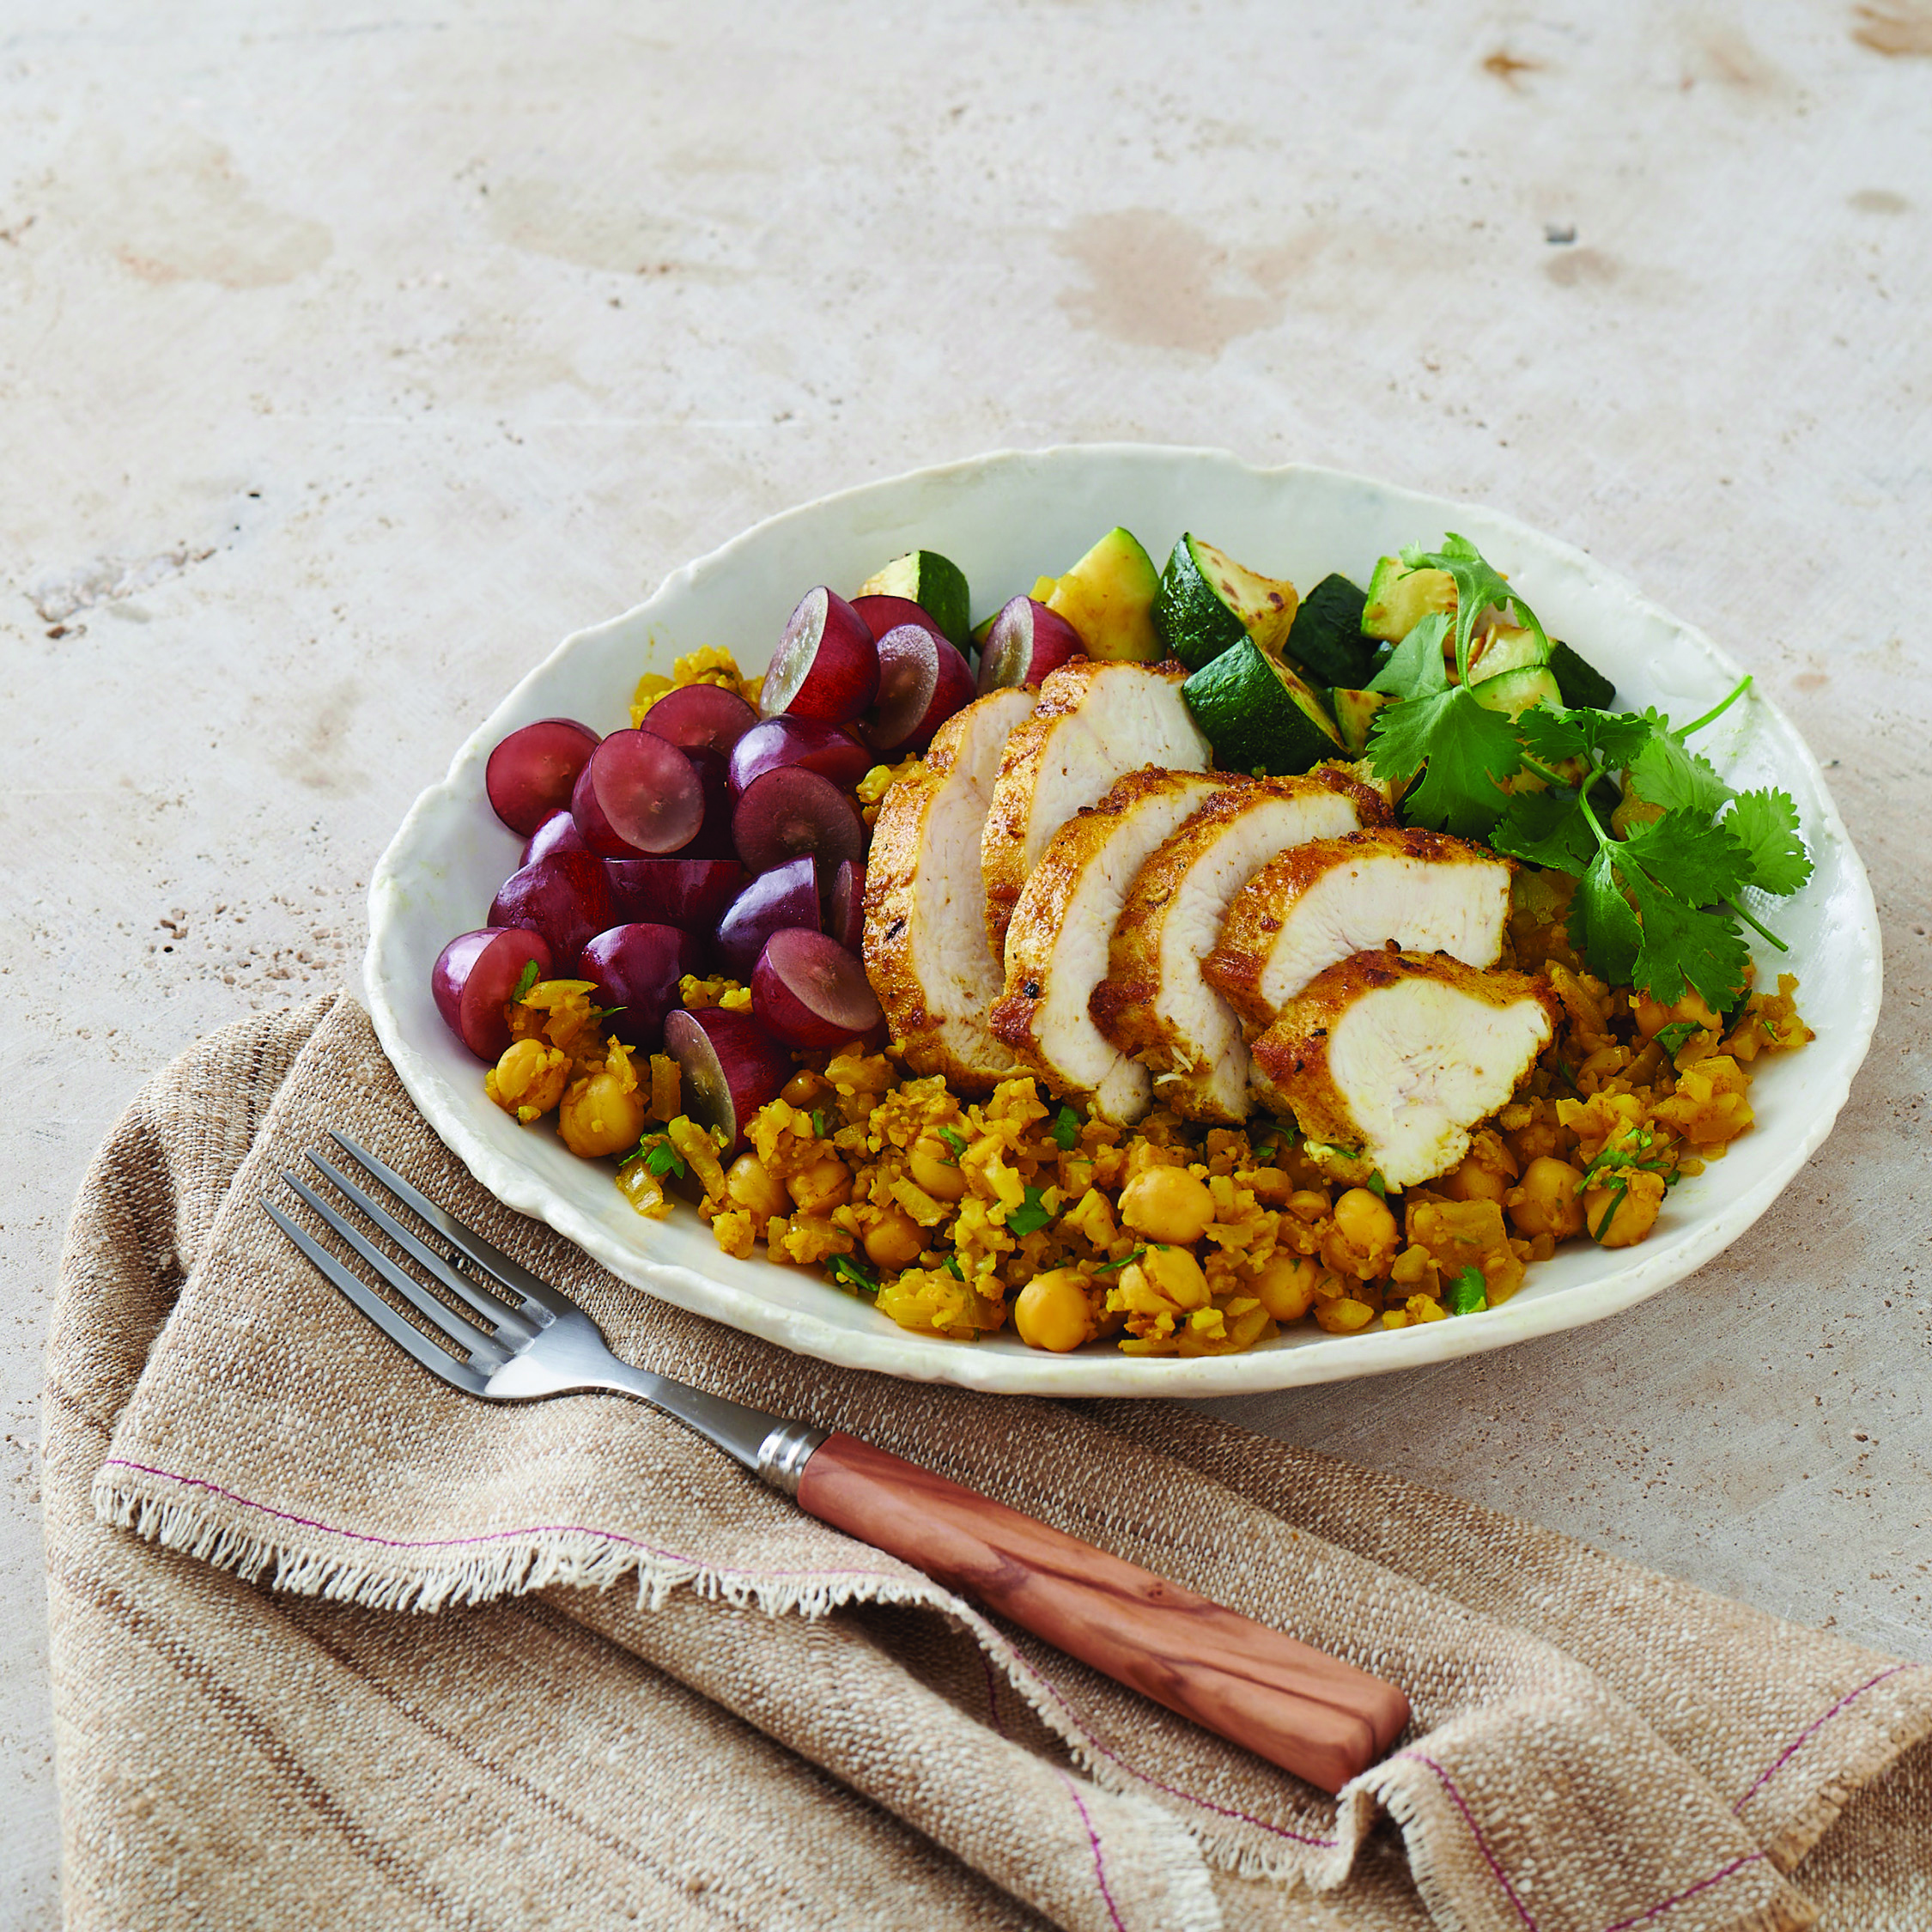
(1468, 1294)
(1030, 1216)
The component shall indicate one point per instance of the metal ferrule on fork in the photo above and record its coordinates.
(783, 1454)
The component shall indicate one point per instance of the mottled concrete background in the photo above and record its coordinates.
(350, 357)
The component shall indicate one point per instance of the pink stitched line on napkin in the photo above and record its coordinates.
(1475, 1832)
(1792, 1749)
(1691, 1891)
(1093, 1838)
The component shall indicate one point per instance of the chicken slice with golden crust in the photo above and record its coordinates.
(1056, 943)
(1097, 720)
(1426, 891)
(1395, 1057)
(926, 946)
(1154, 1003)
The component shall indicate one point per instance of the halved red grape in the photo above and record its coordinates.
(474, 977)
(1027, 643)
(826, 665)
(558, 833)
(845, 913)
(691, 893)
(922, 681)
(705, 714)
(531, 773)
(636, 969)
(786, 896)
(883, 614)
(565, 897)
(810, 992)
(639, 794)
(790, 812)
(829, 750)
(730, 1068)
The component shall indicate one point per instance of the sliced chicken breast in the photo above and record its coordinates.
(1056, 943)
(1154, 1003)
(925, 945)
(1396, 1056)
(1321, 902)
(1095, 721)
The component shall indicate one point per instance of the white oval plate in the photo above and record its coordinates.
(1007, 518)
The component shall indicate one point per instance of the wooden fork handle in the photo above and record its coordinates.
(1299, 1708)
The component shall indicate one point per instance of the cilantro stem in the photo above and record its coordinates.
(1762, 931)
(1603, 838)
(1544, 772)
(1711, 717)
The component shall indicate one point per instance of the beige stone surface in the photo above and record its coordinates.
(348, 359)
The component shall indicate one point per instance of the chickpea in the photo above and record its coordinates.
(1474, 1180)
(822, 1186)
(1285, 1287)
(1362, 1239)
(1341, 1317)
(1053, 1312)
(935, 1170)
(1309, 1204)
(1173, 1272)
(1631, 1219)
(895, 1243)
(1271, 1186)
(804, 1089)
(529, 1080)
(1167, 1204)
(1650, 1016)
(600, 1114)
(1540, 1140)
(751, 1185)
(1547, 1202)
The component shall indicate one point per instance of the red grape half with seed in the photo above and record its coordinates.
(531, 772)
(1027, 642)
(639, 794)
(810, 992)
(729, 1068)
(475, 977)
(700, 714)
(826, 665)
(922, 681)
(790, 812)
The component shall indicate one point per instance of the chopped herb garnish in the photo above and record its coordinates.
(1066, 1129)
(664, 1159)
(1107, 1267)
(1377, 1185)
(527, 979)
(818, 1125)
(1617, 1195)
(1671, 1038)
(860, 1275)
(952, 1267)
(1030, 1216)
(956, 1140)
(1614, 1158)
(1467, 1293)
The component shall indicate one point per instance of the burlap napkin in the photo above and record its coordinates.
(440, 1662)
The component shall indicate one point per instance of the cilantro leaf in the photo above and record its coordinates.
(1416, 664)
(818, 1124)
(1377, 1186)
(1601, 925)
(1671, 1038)
(1765, 823)
(1467, 750)
(1684, 942)
(861, 1274)
(1547, 829)
(664, 1159)
(1666, 773)
(956, 1140)
(952, 1267)
(1467, 1293)
(1030, 1216)
(527, 979)
(1478, 585)
(1612, 737)
(1066, 1129)
(1691, 859)
(1617, 1195)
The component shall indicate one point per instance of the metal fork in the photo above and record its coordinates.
(1312, 1713)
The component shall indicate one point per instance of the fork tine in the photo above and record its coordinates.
(483, 1252)
(463, 1375)
(464, 1333)
(497, 1310)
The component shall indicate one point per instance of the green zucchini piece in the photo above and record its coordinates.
(1507, 648)
(1514, 692)
(1355, 714)
(1327, 639)
(1107, 597)
(1208, 603)
(934, 583)
(1399, 598)
(1584, 686)
(1258, 714)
